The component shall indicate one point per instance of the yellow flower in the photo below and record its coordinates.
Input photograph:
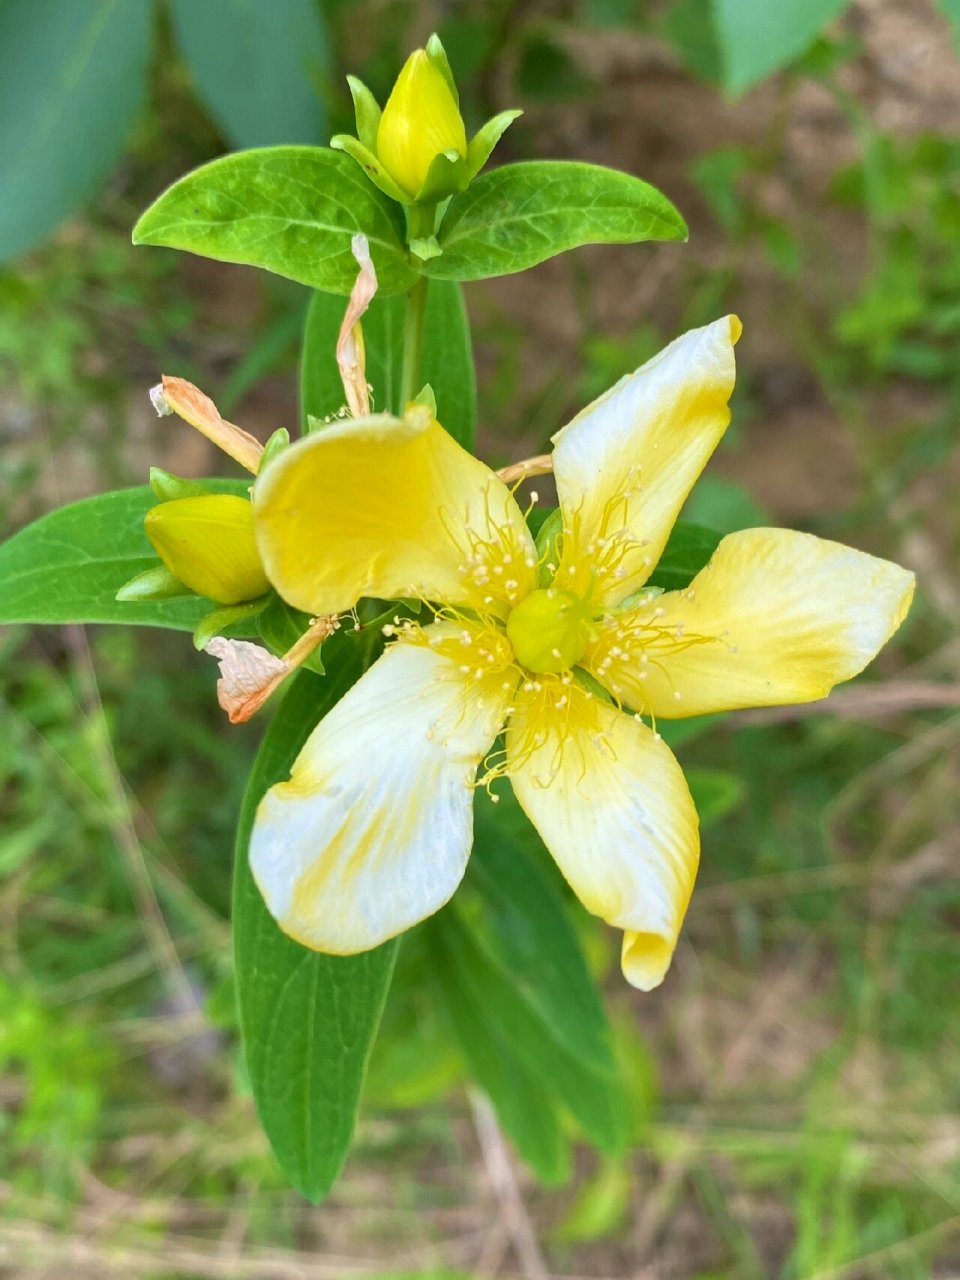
(420, 121)
(208, 543)
(372, 832)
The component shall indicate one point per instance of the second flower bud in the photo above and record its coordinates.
(208, 543)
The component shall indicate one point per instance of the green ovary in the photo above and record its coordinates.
(549, 630)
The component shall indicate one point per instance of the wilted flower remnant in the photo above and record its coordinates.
(560, 646)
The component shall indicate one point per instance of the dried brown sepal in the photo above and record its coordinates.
(176, 395)
(541, 465)
(351, 358)
(249, 674)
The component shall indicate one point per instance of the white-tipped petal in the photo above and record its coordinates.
(625, 465)
(373, 830)
(612, 805)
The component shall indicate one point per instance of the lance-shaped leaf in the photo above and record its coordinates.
(73, 78)
(258, 66)
(688, 549)
(512, 974)
(469, 989)
(308, 1020)
(447, 357)
(756, 37)
(69, 565)
(290, 210)
(514, 217)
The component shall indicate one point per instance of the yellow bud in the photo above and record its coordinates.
(208, 543)
(549, 630)
(420, 120)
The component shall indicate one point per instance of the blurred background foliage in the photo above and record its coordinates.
(794, 1085)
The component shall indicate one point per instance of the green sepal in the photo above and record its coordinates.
(426, 397)
(438, 56)
(367, 112)
(155, 584)
(486, 138)
(643, 595)
(371, 166)
(212, 624)
(274, 447)
(592, 685)
(548, 540)
(446, 176)
(169, 487)
(426, 248)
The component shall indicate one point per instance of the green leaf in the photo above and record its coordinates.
(519, 919)
(518, 215)
(73, 78)
(69, 565)
(281, 626)
(689, 26)
(258, 68)
(688, 549)
(715, 793)
(290, 210)
(952, 10)
(723, 505)
(217, 621)
(601, 1206)
(527, 1112)
(757, 38)
(308, 1020)
(512, 959)
(547, 72)
(415, 1059)
(447, 357)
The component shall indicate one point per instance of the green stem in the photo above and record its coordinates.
(421, 222)
(413, 342)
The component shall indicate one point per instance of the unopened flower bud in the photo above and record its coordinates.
(207, 542)
(421, 120)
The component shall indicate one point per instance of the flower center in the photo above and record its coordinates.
(549, 630)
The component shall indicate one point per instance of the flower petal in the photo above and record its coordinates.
(775, 617)
(613, 807)
(386, 508)
(625, 465)
(373, 830)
